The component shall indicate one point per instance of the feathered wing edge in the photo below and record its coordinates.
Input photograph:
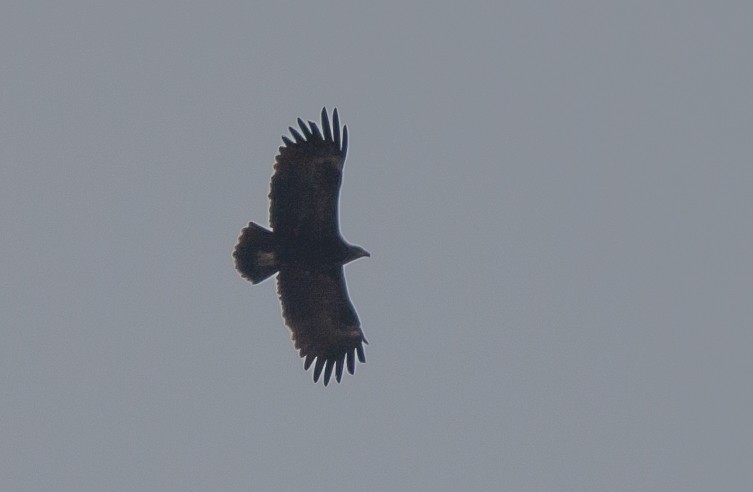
(328, 364)
(312, 134)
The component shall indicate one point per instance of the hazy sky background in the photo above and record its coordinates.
(557, 197)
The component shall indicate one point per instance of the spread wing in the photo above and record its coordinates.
(306, 182)
(325, 326)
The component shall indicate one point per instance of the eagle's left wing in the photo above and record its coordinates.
(306, 181)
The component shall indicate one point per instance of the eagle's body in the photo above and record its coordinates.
(306, 249)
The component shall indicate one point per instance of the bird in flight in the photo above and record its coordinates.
(306, 250)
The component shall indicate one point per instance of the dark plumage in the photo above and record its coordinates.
(306, 249)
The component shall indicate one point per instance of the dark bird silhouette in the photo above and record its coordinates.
(306, 249)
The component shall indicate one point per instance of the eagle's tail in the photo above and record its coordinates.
(255, 257)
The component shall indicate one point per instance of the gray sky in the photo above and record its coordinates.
(556, 197)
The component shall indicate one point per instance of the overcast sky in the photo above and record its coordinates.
(557, 197)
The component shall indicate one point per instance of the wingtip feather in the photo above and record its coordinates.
(336, 127)
(344, 150)
(315, 130)
(305, 129)
(328, 371)
(325, 125)
(297, 136)
(361, 355)
(339, 368)
(318, 368)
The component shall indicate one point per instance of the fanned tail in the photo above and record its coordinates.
(255, 256)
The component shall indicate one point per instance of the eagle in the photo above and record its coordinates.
(306, 250)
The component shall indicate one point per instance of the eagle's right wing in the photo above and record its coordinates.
(325, 326)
